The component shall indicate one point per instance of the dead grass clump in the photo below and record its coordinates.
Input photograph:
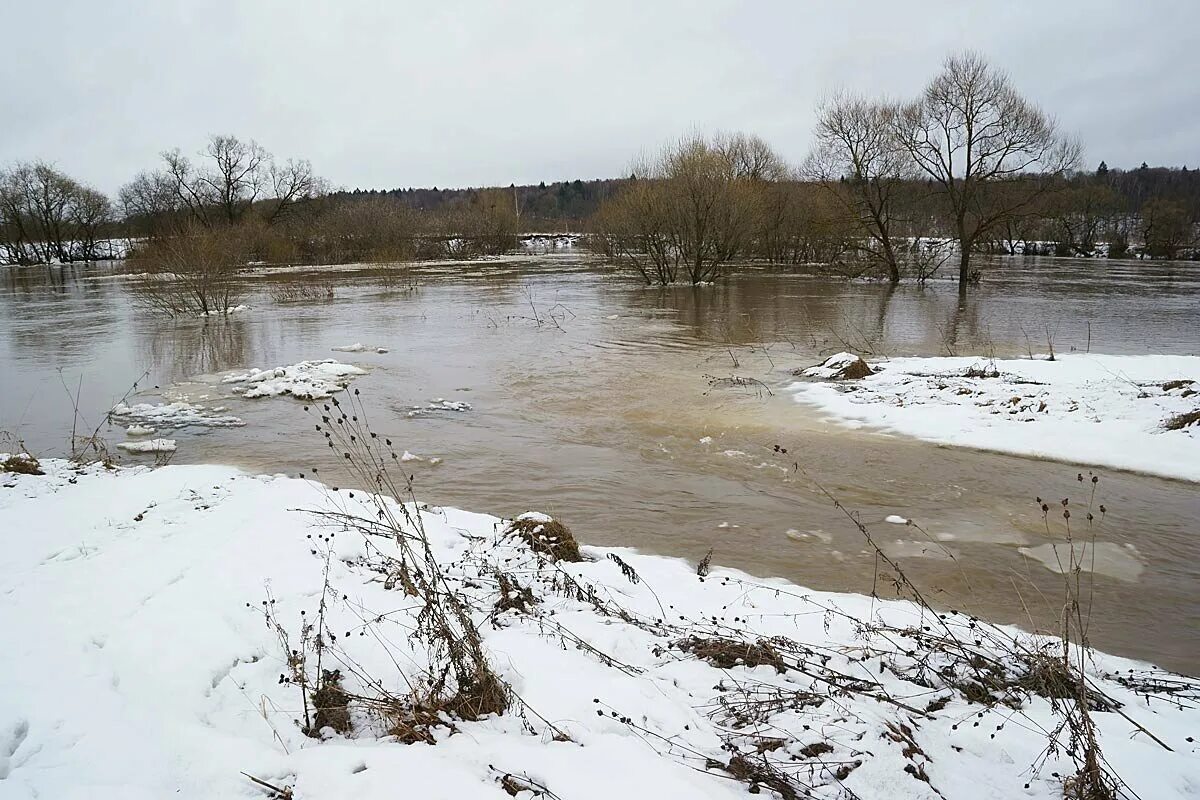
(1051, 677)
(1181, 421)
(412, 722)
(836, 368)
(854, 370)
(479, 698)
(330, 705)
(546, 536)
(415, 723)
(21, 464)
(514, 596)
(816, 749)
(1089, 785)
(302, 291)
(1048, 676)
(984, 371)
(728, 653)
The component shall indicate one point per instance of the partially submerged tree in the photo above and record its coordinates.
(693, 208)
(970, 131)
(859, 160)
(191, 272)
(1166, 228)
(47, 216)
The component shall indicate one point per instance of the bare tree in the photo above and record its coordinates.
(88, 213)
(693, 209)
(1165, 228)
(223, 185)
(859, 160)
(150, 203)
(969, 131)
(292, 182)
(47, 216)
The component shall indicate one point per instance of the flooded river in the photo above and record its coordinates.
(592, 398)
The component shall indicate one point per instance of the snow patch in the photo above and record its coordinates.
(1097, 410)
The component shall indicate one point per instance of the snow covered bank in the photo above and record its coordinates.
(308, 380)
(1098, 410)
(138, 666)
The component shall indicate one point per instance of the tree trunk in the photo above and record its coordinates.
(964, 255)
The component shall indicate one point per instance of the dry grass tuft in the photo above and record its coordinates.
(728, 653)
(21, 464)
(1181, 421)
(855, 369)
(546, 536)
(330, 705)
(514, 596)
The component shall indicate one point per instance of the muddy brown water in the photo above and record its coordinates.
(603, 414)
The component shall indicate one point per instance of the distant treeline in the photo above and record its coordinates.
(894, 190)
(560, 205)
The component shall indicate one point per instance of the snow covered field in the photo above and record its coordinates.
(1095, 410)
(137, 665)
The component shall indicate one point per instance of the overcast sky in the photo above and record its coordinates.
(385, 94)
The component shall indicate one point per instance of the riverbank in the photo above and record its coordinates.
(1139, 413)
(139, 664)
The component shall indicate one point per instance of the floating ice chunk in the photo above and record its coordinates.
(149, 416)
(230, 310)
(440, 404)
(895, 519)
(149, 446)
(307, 380)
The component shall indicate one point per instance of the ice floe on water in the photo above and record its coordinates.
(307, 380)
(226, 312)
(440, 405)
(144, 419)
(358, 347)
(1114, 560)
(149, 446)
(1124, 412)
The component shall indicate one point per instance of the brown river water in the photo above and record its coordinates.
(603, 414)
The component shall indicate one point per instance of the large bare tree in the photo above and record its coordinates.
(226, 181)
(860, 161)
(971, 130)
(47, 216)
